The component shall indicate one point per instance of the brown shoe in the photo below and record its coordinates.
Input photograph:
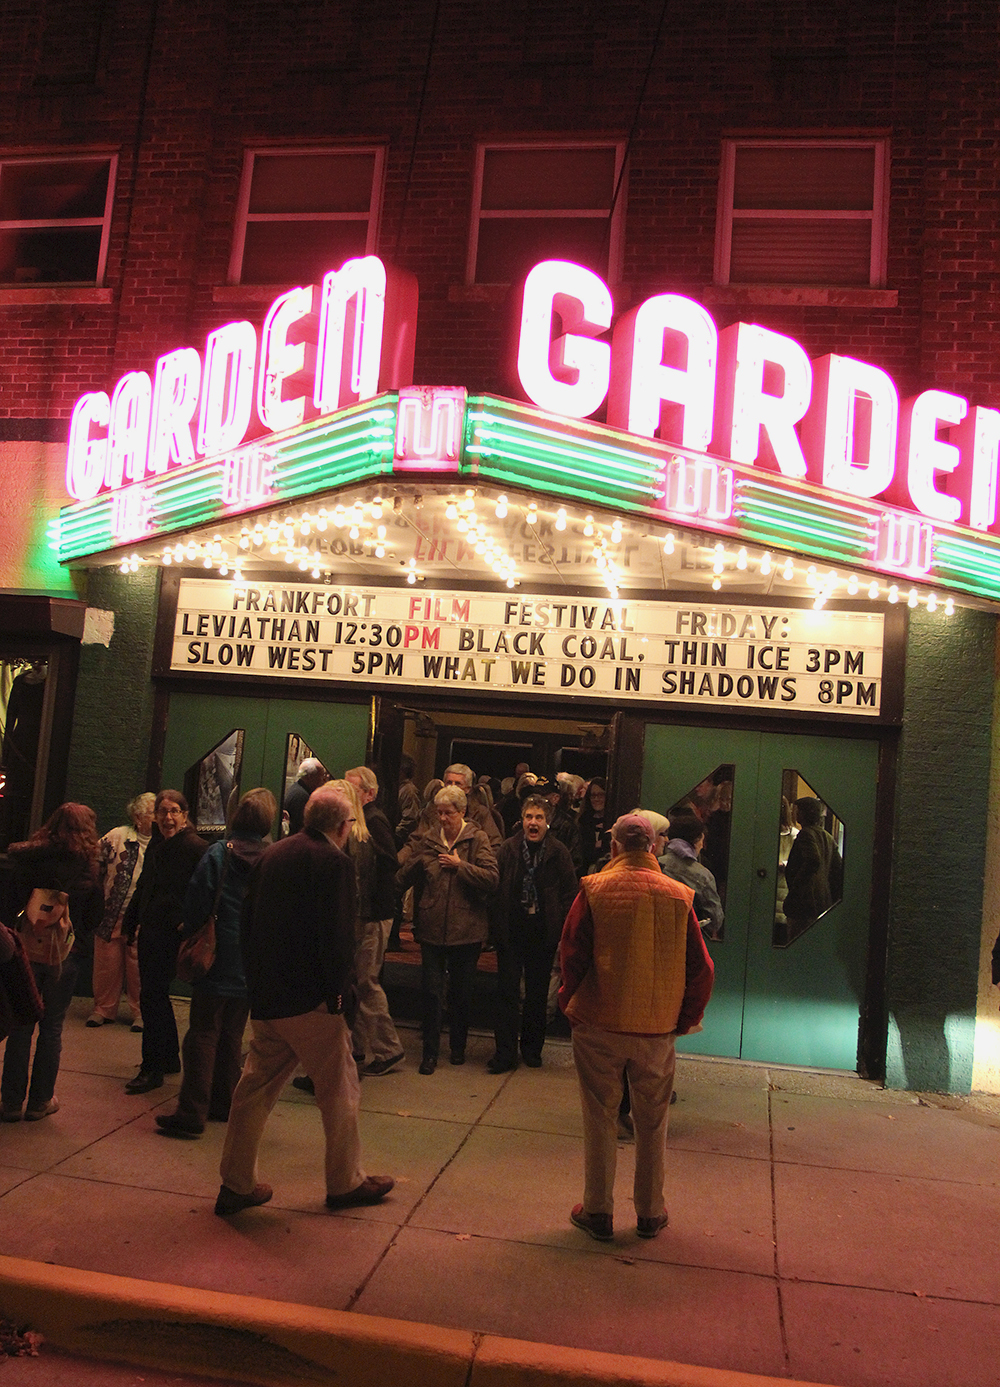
(370, 1191)
(649, 1227)
(229, 1202)
(599, 1226)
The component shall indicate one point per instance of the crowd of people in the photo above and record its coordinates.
(611, 915)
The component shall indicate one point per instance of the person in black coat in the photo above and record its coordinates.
(538, 884)
(298, 952)
(156, 911)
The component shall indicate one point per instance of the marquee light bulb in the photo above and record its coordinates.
(316, 573)
(411, 577)
(873, 590)
(501, 508)
(912, 598)
(380, 551)
(668, 544)
(765, 565)
(949, 606)
(932, 602)
(588, 526)
(561, 518)
(741, 560)
(788, 572)
(893, 593)
(532, 516)
(852, 584)
(716, 583)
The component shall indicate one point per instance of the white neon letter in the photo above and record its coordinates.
(128, 431)
(978, 441)
(763, 390)
(927, 454)
(284, 362)
(341, 378)
(227, 388)
(647, 395)
(176, 385)
(849, 449)
(86, 457)
(571, 374)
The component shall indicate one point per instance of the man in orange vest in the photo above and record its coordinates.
(636, 974)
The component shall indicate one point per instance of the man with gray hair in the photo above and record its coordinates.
(476, 811)
(636, 974)
(298, 947)
(312, 774)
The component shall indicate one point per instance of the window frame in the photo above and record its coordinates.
(613, 270)
(243, 215)
(75, 156)
(878, 217)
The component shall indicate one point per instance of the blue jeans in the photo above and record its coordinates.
(56, 987)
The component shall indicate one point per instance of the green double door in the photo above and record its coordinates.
(788, 989)
(217, 742)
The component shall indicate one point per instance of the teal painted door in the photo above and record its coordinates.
(787, 993)
(197, 723)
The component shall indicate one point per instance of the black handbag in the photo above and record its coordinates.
(20, 1003)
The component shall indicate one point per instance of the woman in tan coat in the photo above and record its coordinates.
(453, 872)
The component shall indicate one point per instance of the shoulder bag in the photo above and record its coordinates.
(197, 953)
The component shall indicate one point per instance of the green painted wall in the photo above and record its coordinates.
(114, 700)
(936, 902)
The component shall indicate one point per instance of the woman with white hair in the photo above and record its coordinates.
(452, 870)
(116, 960)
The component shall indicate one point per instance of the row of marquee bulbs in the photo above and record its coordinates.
(279, 538)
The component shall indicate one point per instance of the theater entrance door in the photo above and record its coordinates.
(791, 962)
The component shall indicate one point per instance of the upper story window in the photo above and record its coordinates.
(543, 201)
(303, 212)
(55, 215)
(807, 211)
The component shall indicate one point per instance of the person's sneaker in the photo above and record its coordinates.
(649, 1227)
(8, 1113)
(172, 1124)
(144, 1082)
(599, 1226)
(376, 1067)
(45, 1110)
(136, 1028)
(370, 1191)
(304, 1082)
(229, 1202)
(94, 1021)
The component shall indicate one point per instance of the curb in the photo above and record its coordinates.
(276, 1344)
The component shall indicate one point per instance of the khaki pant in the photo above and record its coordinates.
(323, 1045)
(116, 961)
(375, 1036)
(601, 1058)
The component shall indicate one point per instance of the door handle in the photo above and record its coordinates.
(762, 873)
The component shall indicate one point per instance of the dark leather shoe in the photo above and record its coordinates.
(649, 1227)
(599, 1226)
(144, 1082)
(532, 1061)
(171, 1124)
(500, 1066)
(229, 1202)
(458, 1056)
(428, 1064)
(370, 1191)
(379, 1067)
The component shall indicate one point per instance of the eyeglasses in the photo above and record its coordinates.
(350, 821)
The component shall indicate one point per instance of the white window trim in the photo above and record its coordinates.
(63, 223)
(615, 240)
(878, 216)
(244, 215)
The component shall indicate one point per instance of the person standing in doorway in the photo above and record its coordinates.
(312, 774)
(537, 886)
(298, 946)
(636, 974)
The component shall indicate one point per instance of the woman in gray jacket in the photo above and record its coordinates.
(453, 872)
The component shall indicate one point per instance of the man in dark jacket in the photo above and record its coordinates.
(298, 949)
(537, 887)
(375, 1036)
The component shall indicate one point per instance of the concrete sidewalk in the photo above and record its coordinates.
(821, 1229)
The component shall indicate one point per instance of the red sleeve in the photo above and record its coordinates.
(576, 948)
(699, 976)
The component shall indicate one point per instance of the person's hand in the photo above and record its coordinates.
(449, 859)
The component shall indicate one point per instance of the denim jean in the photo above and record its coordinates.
(56, 988)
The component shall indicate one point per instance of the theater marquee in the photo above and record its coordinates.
(751, 657)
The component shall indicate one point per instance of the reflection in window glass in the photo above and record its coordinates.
(212, 785)
(810, 871)
(293, 793)
(704, 815)
(22, 695)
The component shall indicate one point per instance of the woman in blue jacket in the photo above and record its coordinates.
(212, 1048)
